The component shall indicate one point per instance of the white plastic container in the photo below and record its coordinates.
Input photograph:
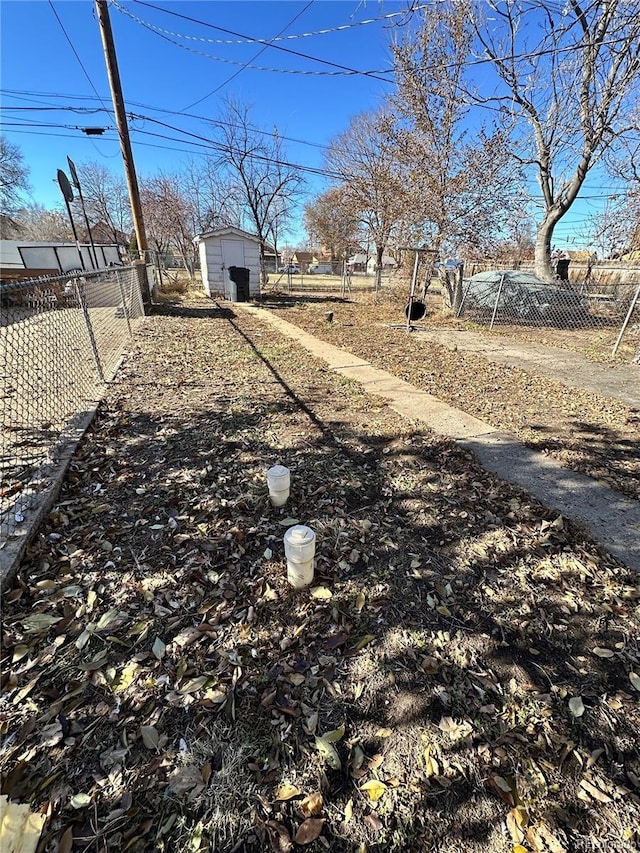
(279, 483)
(300, 549)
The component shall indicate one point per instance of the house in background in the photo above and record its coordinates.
(361, 262)
(224, 249)
(101, 232)
(303, 260)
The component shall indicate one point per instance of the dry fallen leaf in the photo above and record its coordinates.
(634, 678)
(348, 811)
(595, 792)
(150, 736)
(279, 837)
(312, 804)
(603, 653)
(576, 706)
(158, 648)
(335, 735)
(79, 801)
(286, 792)
(321, 592)
(309, 830)
(374, 789)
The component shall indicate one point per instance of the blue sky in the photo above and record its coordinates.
(157, 73)
(40, 68)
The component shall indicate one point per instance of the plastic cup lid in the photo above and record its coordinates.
(300, 534)
(278, 471)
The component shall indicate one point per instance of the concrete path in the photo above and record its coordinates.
(611, 518)
(619, 381)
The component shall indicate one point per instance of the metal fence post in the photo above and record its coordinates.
(626, 320)
(125, 309)
(87, 320)
(495, 307)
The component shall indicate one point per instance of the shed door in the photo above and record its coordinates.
(232, 256)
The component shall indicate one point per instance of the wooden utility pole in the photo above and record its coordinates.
(125, 143)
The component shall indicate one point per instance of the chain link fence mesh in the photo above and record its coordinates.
(60, 339)
(516, 299)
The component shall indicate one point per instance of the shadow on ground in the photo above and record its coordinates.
(454, 622)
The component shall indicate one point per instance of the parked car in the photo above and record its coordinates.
(292, 268)
(321, 269)
(523, 297)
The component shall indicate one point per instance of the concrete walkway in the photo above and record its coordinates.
(619, 381)
(611, 518)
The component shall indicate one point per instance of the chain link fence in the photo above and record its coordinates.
(61, 338)
(517, 299)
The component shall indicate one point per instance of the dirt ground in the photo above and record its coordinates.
(587, 432)
(463, 674)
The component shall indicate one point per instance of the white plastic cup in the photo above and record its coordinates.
(279, 483)
(300, 575)
(299, 549)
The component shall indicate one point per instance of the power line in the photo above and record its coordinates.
(327, 31)
(247, 64)
(75, 52)
(168, 112)
(536, 54)
(217, 146)
(372, 74)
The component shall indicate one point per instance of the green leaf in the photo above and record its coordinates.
(193, 684)
(158, 648)
(39, 623)
(108, 618)
(335, 735)
(150, 736)
(329, 753)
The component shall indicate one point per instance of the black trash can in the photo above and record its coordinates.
(562, 268)
(240, 276)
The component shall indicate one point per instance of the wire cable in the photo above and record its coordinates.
(328, 30)
(75, 52)
(248, 64)
(287, 50)
(166, 111)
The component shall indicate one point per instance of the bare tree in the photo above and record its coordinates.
(371, 176)
(209, 195)
(331, 222)
(464, 187)
(262, 184)
(571, 73)
(106, 199)
(169, 219)
(38, 223)
(14, 174)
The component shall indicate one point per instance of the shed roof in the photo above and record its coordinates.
(228, 230)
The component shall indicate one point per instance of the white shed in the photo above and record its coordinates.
(228, 247)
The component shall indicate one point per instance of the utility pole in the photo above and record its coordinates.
(125, 143)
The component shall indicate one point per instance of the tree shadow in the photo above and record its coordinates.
(461, 618)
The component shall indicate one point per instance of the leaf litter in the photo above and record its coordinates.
(169, 690)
